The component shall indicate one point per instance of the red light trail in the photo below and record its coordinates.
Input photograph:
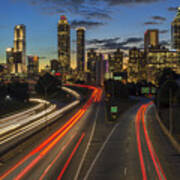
(140, 118)
(70, 157)
(56, 158)
(49, 143)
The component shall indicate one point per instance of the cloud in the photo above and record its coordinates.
(152, 23)
(164, 31)
(134, 40)
(78, 5)
(124, 44)
(114, 43)
(102, 41)
(165, 43)
(173, 9)
(87, 24)
(98, 15)
(68, 5)
(159, 18)
(33, 2)
(118, 2)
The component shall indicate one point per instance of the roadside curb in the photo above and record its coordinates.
(173, 141)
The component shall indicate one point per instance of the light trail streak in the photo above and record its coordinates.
(70, 157)
(48, 144)
(140, 118)
(56, 158)
(154, 156)
(143, 169)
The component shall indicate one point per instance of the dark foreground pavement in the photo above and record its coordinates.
(121, 154)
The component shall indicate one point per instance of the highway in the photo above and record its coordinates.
(19, 126)
(69, 135)
(25, 114)
(83, 145)
(136, 148)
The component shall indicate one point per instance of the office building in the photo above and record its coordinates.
(151, 39)
(175, 31)
(33, 65)
(91, 64)
(158, 60)
(64, 44)
(136, 65)
(10, 58)
(100, 71)
(20, 49)
(80, 49)
(116, 61)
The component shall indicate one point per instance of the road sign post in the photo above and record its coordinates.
(114, 112)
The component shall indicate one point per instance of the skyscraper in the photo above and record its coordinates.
(136, 65)
(116, 61)
(64, 44)
(100, 70)
(20, 48)
(80, 49)
(151, 38)
(33, 65)
(9, 58)
(175, 31)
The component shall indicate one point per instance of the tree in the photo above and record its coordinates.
(47, 85)
(19, 91)
(132, 89)
(3, 91)
(165, 75)
(170, 87)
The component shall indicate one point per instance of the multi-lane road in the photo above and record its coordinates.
(39, 161)
(136, 148)
(83, 145)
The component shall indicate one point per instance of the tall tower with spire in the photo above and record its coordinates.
(64, 44)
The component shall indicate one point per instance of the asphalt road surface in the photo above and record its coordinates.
(136, 149)
(50, 157)
(133, 148)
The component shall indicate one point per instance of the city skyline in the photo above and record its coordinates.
(41, 23)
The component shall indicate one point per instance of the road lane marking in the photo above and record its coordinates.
(41, 146)
(125, 171)
(87, 147)
(47, 149)
(70, 157)
(100, 152)
(52, 140)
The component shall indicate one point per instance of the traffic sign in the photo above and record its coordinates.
(114, 109)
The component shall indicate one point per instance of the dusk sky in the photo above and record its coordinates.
(110, 23)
